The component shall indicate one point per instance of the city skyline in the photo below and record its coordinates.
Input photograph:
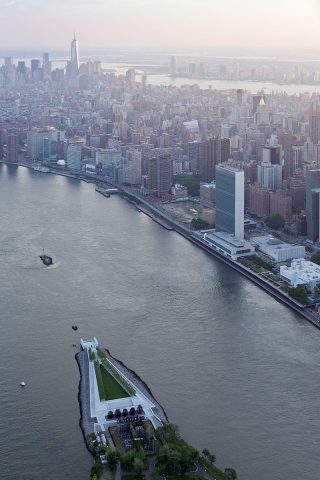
(248, 29)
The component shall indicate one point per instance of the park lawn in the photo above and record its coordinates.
(99, 380)
(112, 389)
(192, 182)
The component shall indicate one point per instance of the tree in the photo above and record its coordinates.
(205, 452)
(299, 293)
(316, 258)
(176, 459)
(275, 221)
(231, 473)
(127, 460)
(212, 458)
(112, 458)
(199, 224)
(138, 467)
(171, 432)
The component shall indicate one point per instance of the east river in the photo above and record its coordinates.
(236, 370)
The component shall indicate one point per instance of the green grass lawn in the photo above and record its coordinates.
(99, 381)
(192, 182)
(112, 389)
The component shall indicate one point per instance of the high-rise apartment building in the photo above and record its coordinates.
(35, 66)
(208, 160)
(12, 149)
(271, 154)
(193, 153)
(131, 168)
(35, 139)
(8, 70)
(281, 203)
(297, 189)
(314, 126)
(223, 149)
(259, 201)
(160, 175)
(312, 203)
(230, 200)
(270, 176)
(287, 141)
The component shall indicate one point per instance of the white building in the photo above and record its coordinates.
(270, 176)
(277, 250)
(228, 245)
(301, 272)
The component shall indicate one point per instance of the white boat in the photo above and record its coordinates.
(22, 384)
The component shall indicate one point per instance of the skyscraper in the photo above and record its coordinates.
(46, 66)
(208, 160)
(314, 126)
(312, 203)
(12, 149)
(287, 140)
(8, 70)
(74, 157)
(74, 56)
(230, 200)
(160, 175)
(270, 176)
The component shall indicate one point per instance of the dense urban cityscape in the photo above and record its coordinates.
(167, 202)
(234, 165)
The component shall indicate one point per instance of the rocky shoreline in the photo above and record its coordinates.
(86, 423)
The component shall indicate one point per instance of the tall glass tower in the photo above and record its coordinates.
(230, 200)
(75, 55)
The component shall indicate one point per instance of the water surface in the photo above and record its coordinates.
(236, 370)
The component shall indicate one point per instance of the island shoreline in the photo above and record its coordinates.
(85, 420)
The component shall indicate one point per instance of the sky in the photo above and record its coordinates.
(243, 25)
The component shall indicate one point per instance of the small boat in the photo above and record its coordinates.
(46, 259)
(74, 327)
(22, 384)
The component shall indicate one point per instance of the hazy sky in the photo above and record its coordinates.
(245, 24)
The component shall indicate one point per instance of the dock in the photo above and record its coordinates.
(154, 218)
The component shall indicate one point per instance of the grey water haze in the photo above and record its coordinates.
(237, 371)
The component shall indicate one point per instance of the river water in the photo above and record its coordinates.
(237, 371)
